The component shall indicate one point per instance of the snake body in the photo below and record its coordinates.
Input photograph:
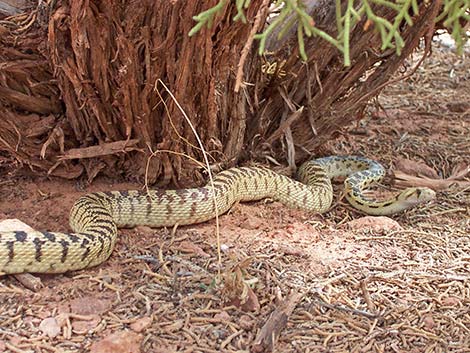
(95, 217)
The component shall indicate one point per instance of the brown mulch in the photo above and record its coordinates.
(403, 289)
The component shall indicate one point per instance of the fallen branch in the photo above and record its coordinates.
(29, 281)
(271, 330)
(101, 150)
(457, 179)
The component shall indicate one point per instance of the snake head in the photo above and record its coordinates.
(414, 196)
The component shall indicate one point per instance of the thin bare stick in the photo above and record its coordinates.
(154, 153)
(249, 42)
(209, 172)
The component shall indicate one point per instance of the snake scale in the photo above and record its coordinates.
(95, 217)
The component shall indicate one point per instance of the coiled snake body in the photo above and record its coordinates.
(95, 217)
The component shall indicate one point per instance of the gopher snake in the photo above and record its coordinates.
(95, 217)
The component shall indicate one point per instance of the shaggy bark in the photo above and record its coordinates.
(89, 100)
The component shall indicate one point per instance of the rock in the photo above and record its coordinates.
(246, 322)
(118, 342)
(141, 324)
(220, 333)
(375, 224)
(9, 225)
(62, 319)
(450, 301)
(223, 316)
(252, 223)
(15, 340)
(84, 326)
(50, 327)
(89, 305)
(174, 326)
(429, 322)
(144, 230)
(191, 248)
(249, 303)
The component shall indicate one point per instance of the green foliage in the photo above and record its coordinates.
(206, 18)
(293, 13)
(455, 11)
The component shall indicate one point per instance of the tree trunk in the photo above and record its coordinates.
(82, 87)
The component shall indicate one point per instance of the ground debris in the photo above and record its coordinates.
(403, 289)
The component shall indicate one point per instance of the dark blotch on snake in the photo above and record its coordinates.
(359, 202)
(89, 236)
(205, 192)
(170, 198)
(11, 250)
(99, 195)
(100, 212)
(38, 247)
(181, 193)
(245, 184)
(73, 238)
(84, 244)
(276, 185)
(231, 174)
(103, 230)
(149, 207)
(193, 209)
(85, 254)
(65, 249)
(49, 236)
(255, 182)
(20, 235)
(108, 194)
(101, 240)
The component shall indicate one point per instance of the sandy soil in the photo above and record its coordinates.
(381, 285)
